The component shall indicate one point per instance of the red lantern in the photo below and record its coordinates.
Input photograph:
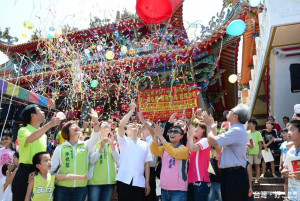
(154, 12)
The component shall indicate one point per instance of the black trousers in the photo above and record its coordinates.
(152, 183)
(20, 182)
(130, 193)
(235, 185)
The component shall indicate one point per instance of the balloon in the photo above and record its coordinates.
(94, 83)
(236, 28)
(27, 24)
(87, 51)
(24, 35)
(60, 40)
(232, 78)
(61, 115)
(51, 29)
(254, 3)
(154, 12)
(49, 36)
(109, 55)
(124, 49)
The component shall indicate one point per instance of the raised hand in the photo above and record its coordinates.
(208, 119)
(94, 116)
(55, 121)
(132, 106)
(191, 130)
(141, 117)
(158, 130)
(173, 118)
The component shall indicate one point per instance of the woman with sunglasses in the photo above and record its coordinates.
(8, 150)
(173, 176)
(199, 181)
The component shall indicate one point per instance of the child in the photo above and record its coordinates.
(3, 178)
(41, 187)
(7, 152)
(284, 150)
(268, 135)
(254, 148)
(291, 164)
(10, 175)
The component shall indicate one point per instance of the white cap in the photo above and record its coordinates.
(297, 108)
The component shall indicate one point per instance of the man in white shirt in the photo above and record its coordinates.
(134, 162)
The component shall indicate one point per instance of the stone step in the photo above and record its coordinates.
(270, 180)
(268, 187)
(268, 196)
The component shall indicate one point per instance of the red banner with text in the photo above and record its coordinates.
(161, 103)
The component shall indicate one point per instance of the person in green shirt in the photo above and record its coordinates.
(254, 148)
(71, 157)
(103, 162)
(32, 139)
(41, 187)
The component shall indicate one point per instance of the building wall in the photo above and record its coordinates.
(282, 100)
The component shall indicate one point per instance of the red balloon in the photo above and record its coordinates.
(154, 12)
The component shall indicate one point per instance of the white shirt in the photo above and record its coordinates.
(149, 141)
(133, 157)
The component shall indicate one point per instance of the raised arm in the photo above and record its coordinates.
(191, 145)
(125, 119)
(41, 131)
(211, 127)
(95, 136)
(148, 127)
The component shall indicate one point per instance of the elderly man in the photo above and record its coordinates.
(234, 178)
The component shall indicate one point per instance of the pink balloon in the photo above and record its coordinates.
(61, 115)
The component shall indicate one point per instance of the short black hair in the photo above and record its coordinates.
(5, 168)
(295, 123)
(26, 113)
(254, 121)
(37, 159)
(285, 117)
(285, 130)
(16, 154)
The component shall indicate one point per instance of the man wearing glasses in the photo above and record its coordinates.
(234, 178)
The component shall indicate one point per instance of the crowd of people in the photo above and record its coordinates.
(184, 159)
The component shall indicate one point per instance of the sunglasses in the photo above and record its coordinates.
(174, 131)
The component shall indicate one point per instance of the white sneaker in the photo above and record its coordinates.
(274, 175)
(262, 175)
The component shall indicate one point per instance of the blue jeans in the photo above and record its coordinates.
(198, 191)
(62, 193)
(167, 195)
(215, 192)
(100, 192)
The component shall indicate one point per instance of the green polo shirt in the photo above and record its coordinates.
(28, 150)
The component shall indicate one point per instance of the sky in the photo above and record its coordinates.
(57, 13)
